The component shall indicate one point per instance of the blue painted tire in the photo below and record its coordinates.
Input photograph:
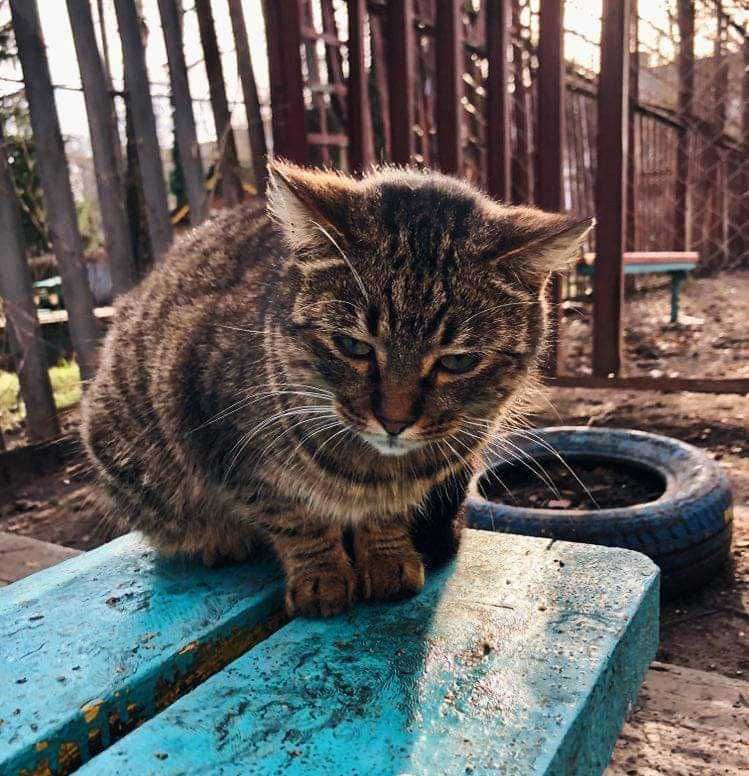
(687, 531)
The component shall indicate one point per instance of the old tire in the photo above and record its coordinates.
(686, 531)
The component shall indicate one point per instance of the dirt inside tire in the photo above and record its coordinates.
(584, 483)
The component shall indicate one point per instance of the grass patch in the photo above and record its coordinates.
(66, 386)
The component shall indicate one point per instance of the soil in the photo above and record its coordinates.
(586, 484)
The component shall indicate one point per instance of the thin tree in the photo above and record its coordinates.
(249, 91)
(184, 119)
(53, 173)
(144, 124)
(231, 185)
(104, 142)
(22, 324)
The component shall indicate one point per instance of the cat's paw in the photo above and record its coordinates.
(390, 577)
(323, 592)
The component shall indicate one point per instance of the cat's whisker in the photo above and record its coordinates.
(532, 437)
(356, 275)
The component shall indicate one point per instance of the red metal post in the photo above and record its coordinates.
(499, 157)
(685, 100)
(283, 33)
(634, 97)
(550, 130)
(613, 102)
(360, 118)
(401, 73)
(449, 55)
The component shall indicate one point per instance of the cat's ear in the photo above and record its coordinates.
(546, 243)
(305, 202)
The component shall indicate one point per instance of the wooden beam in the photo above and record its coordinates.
(401, 57)
(634, 96)
(105, 143)
(611, 178)
(255, 129)
(666, 384)
(684, 108)
(550, 128)
(361, 149)
(499, 157)
(184, 118)
(282, 26)
(144, 123)
(26, 341)
(52, 165)
(449, 57)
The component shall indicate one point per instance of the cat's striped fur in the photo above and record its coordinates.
(229, 408)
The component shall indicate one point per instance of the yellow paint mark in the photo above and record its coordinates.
(41, 746)
(191, 647)
(42, 769)
(67, 754)
(91, 709)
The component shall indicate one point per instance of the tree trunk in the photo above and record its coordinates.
(231, 185)
(104, 141)
(184, 119)
(53, 173)
(22, 323)
(251, 100)
(144, 123)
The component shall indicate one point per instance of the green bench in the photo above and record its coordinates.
(520, 657)
(676, 264)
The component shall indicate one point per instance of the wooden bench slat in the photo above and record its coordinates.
(520, 658)
(92, 647)
(689, 258)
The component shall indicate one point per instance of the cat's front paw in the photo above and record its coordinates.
(322, 592)
(390, 577)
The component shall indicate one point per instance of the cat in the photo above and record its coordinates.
(321, 376)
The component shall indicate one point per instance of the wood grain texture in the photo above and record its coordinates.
(520, 658)
(95, 645)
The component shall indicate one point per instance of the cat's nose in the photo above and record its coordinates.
(393, 426)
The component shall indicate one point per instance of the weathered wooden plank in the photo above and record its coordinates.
(551, 128)
(359, 112)
(450, 90)
(22, 555)
(95, 645)
(738, 385)
(611, 185)
(498, 154)
(282, 25)
(401, 59)
(520, 658)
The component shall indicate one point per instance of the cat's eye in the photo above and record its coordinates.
(458, 362)
(351, 347)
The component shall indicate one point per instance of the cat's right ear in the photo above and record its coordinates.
(306, 203)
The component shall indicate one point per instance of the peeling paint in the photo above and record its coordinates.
(91, 709)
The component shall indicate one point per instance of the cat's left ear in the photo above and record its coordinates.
(551, 246)
(305, 202)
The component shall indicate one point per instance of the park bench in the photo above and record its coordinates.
(520, 657)
(676, 264)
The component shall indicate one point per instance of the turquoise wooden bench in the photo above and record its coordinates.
(520, 657)
(676, 264)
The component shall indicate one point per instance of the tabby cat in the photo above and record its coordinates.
(322, 378)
